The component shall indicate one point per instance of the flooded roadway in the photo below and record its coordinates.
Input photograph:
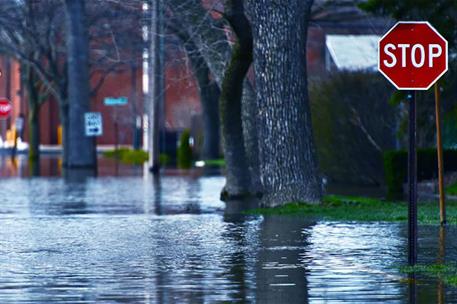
(135, 239)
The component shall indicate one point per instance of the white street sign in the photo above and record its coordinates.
(19, 124)
(94, 124)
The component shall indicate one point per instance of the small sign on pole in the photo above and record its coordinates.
(93, 124)
(412, 56)
(19, 124)
(115, 101)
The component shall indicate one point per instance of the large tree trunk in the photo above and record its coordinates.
(80, 149)
(156, 82)
(238, 181)
(288, 164)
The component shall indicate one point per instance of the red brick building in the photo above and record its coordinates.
(182, 106)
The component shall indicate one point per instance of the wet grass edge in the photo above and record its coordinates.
(447, 273)
(363, 209)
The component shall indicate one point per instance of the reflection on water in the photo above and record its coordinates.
(168, 240)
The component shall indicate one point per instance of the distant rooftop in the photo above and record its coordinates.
(352, 52)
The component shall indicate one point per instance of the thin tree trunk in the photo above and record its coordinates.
(81, 149)
(237, 171)
(33, 115)
(63, 111)
(133, 101)
(34, 132)
(209, 97)
(288, 164)
(210, 94)
(34, 138)
(238, 181)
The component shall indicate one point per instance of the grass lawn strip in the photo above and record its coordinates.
(363, 209)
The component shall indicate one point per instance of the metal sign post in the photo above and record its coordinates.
(412, 181)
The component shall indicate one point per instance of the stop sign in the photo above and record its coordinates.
(412, 55)
(5, 108)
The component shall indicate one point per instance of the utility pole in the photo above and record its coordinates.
(156, 82)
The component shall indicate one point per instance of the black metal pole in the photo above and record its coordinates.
(412, 182)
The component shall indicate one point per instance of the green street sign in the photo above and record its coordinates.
(115, 101)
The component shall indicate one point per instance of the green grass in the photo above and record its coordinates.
(445, 272)
(215, 162)
(451, 189)
(128, 156)
(352, 208)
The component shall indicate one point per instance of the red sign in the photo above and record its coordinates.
(412, 55)
(5, 108)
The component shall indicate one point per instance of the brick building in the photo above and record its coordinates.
(182, 107)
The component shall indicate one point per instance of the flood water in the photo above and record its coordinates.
(136, 239)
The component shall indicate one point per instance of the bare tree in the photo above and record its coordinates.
(208, 34)
(33, 33)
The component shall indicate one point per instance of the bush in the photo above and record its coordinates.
(353, 123)
(184, 151)
(164, 159)
(127, 156)
(396, 168)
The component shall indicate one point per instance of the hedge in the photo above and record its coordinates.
(184, 156)
(396, 168)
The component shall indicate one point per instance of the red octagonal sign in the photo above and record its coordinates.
(5, 108)
(413, 55)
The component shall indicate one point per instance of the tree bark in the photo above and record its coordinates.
(80, 148)
(156, 82)
(288, 164)
(250, 134)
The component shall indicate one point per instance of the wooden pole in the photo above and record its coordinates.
(439, 147)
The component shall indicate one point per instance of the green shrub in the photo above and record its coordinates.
(395, 172)
(352, 123)
(164, 159)
(184, 156)
(396, 167)
(127, 156)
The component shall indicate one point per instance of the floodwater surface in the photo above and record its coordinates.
(170, 240)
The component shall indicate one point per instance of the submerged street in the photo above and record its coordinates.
(138, 239)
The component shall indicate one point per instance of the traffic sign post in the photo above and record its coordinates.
(412, 181)
(94, 124)
(412, 56)
(116, 101)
